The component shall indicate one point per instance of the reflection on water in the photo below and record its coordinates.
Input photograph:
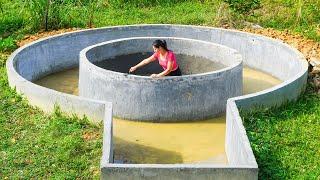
(254, 81)
(66, 81)
(141, 142)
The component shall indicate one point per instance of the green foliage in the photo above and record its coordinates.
(198, 14)
(44, 13)
(9, 25)
(143, 3)
(10, 21)
(286, 140)
(48, 14)
(29, 16)
(245, 7)
(37, 9)
(34, 145)
(7, 44)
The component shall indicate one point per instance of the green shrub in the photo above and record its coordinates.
(7, 44)
(57, 14)
(9, 25)
(245, 7)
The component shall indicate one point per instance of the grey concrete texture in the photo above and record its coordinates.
(47, 99)
(181, 98)
(61, 52)
(177, 172)
(237, 145)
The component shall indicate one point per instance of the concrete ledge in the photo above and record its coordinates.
(196, 96)
(167, 171)
(61, 52)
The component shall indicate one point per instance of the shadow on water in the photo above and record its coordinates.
(129, 152)
(221, 119)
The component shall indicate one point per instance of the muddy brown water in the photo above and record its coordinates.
(187, 142)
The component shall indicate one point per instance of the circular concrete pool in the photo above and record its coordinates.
(144, 98)
(61, 52)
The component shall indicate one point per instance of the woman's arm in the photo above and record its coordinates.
(165, 72)
(142, 63)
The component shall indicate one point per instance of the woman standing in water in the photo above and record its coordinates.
(166, 59)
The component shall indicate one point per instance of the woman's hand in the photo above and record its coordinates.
(132, 69)
(155, 75)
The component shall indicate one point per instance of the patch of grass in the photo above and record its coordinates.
(286, 140)
(35, 145)
(182, 13)
(310, 32)
(10, 18)
(244, 6)
(9, 25)
(8, 44)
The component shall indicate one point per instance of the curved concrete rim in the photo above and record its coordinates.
(10, 62)
(238, 150)
(209, 91)
(237, 62)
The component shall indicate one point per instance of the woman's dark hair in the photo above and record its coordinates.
(160, 43)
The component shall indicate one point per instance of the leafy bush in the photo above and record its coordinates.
(9, 25)
(245, 7)
(7, 44)
(57, 14)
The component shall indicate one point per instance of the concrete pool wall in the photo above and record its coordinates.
(61, 52)
(187, 97)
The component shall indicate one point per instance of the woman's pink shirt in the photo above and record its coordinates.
(164, 62)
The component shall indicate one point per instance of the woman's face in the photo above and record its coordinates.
(155, 49)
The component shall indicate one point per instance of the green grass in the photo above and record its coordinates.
(183, 13)
(8, 44)
(35, 145)
(286, 140)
